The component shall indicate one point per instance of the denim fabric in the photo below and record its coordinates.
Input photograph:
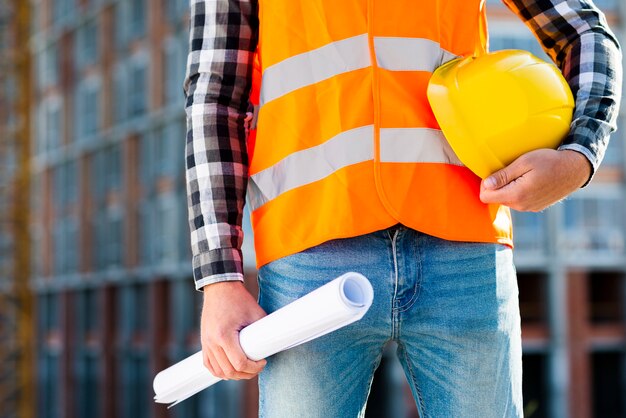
(451, 307)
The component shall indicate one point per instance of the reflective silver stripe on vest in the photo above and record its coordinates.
(397, 145)
(415, 145)
(409, 54)
(350, 54)
(311, 164)
(314, 66)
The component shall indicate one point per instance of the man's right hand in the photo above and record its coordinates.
(228, 307)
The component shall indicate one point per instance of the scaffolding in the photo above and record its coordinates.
(16, 306)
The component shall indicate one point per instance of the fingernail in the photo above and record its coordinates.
(489, 183)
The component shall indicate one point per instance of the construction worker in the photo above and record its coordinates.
(350, 172)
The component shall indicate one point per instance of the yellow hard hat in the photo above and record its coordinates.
(495, 107)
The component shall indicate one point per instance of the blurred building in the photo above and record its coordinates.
(571, 262)
(111, 258)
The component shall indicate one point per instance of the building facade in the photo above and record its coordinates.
(111, 258)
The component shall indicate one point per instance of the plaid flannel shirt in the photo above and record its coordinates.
(223, 38)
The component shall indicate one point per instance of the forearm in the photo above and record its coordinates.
(593, 69)
(576, 36)
(223, 40)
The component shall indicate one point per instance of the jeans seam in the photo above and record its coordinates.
(417, 287)
(393, 260)
(420, 399)
(371, 380)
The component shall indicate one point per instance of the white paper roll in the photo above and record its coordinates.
(328, 308)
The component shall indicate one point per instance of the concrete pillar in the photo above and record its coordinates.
(558, 356)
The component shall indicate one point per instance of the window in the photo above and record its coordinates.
(530, 231)
(48, 66)
(223, 400)
(131, 89)
(87, 109)
(172, 148)
(54, 119)
(114, 237)
(614, 156)
(606, 5)
(62, 11)
(49, 121)
(532, 297)
(48, 356)
(86, 45)
(65, 228)
(184, 312)
(159, 230)
(51, 309)
(534, 388)
(135, 372)
(176, 9)
(98, 227)
(120, 94)
(49, 379)
(108, 248)
(65, 246)
(146, 233)
(605, 297)
(72, 248)
(159, 211)
(113, 167)
(514, 41)
(107, 222)
(174, 74)
(168, 231)
(137, 18)
(87, 369)
(137, 88)
(608, 384)
(131, 21)
(593, 223)
(65, 185)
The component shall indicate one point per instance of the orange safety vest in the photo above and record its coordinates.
(346, 142)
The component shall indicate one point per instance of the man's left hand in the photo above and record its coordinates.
(536, 180)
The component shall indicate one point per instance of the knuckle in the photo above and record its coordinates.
(239, 363)
(523, 159)
(504, 177)
(219, 373)
(220, 335)
(230, 375)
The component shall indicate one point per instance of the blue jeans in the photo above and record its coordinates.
(451, 307)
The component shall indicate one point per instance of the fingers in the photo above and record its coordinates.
(225, 359)
(239, 361)
(211, 363)
(222, 367)
(506, 186)
(228, 307)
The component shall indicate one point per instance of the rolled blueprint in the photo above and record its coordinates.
(328, 308)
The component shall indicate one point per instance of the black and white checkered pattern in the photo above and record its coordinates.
(223, 37)
(219, 67)
(576, 36)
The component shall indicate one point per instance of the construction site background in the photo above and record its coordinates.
(96, 293)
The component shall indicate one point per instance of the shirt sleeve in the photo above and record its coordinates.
(575, 34)
(223, 38)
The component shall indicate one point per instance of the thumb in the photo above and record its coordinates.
(498, 179)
